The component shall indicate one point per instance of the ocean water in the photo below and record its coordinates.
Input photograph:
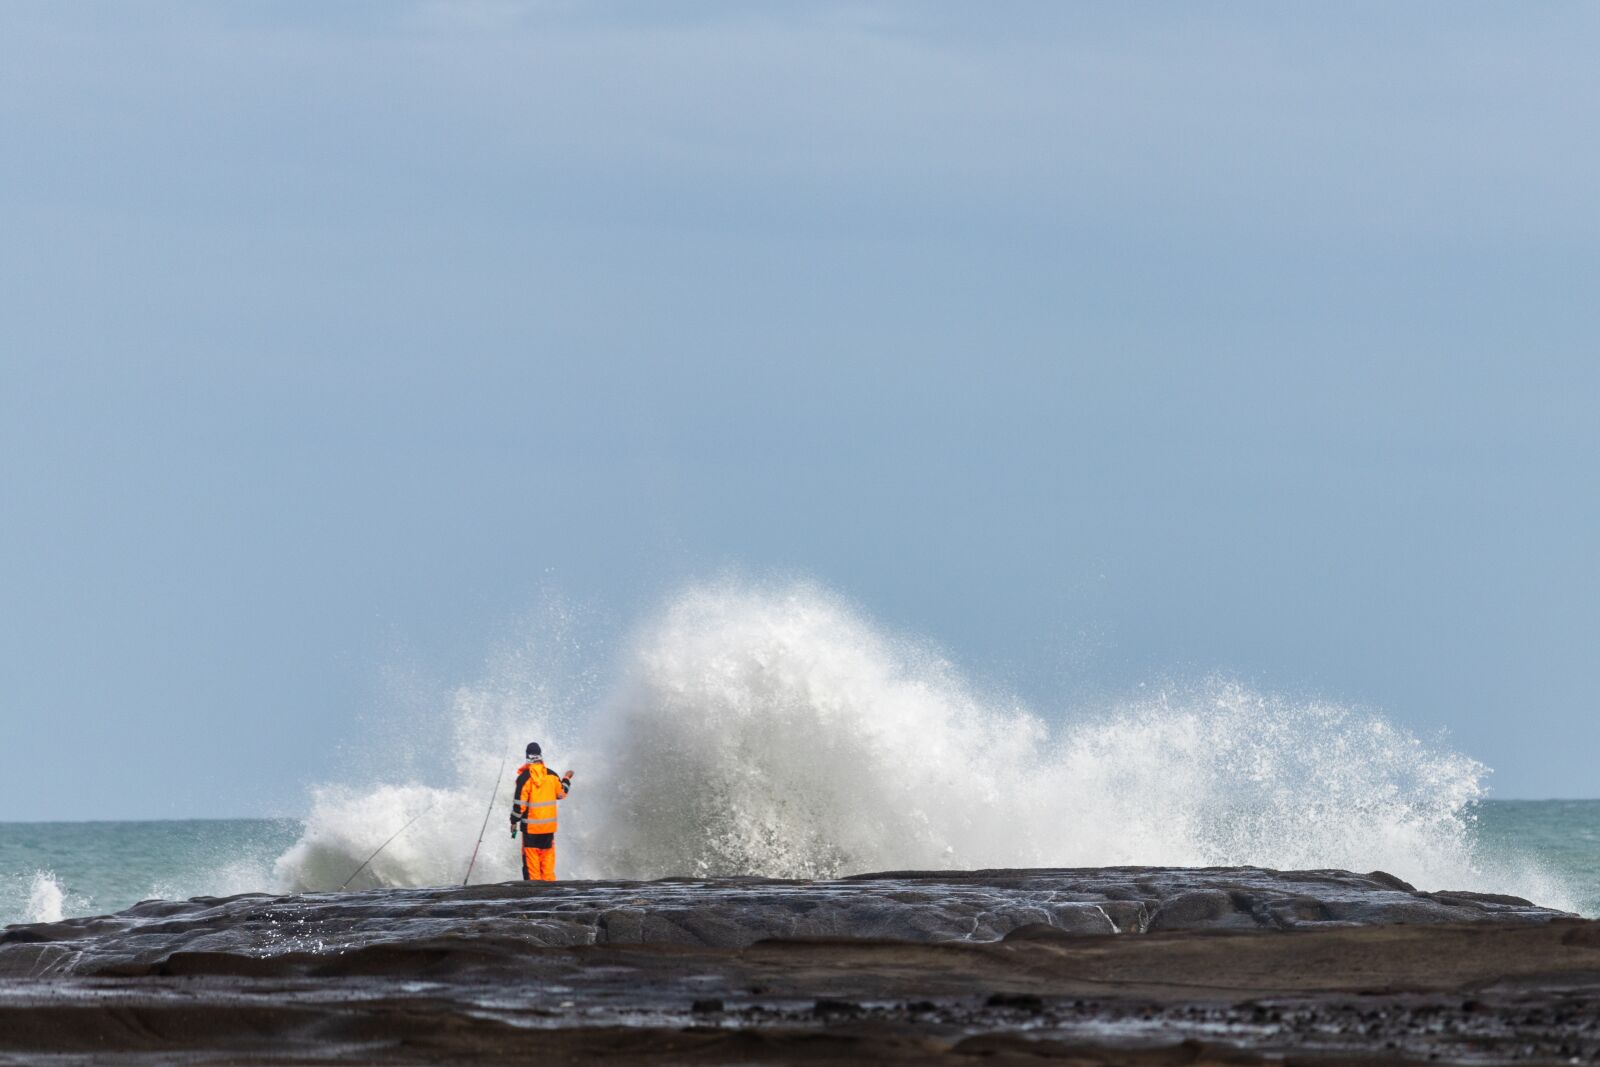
(50, 870)
(776, 730)
(1561, 837)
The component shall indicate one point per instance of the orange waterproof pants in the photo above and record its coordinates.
(539, 864)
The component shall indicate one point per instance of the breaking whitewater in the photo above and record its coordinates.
(777, 732)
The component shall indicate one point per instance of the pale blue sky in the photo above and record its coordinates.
(1099, 344)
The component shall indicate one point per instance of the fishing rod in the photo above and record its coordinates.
(487, 812)
(385, 845)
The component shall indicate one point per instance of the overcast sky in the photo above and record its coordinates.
(1098, 344)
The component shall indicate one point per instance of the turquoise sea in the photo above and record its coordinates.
(1562, 837)
(76, 868)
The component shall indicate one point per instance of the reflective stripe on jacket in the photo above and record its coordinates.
(538, 789)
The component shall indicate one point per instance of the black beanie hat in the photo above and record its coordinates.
(533, 750)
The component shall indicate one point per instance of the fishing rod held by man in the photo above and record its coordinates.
(533, 812)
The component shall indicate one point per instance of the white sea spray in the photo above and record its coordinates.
(45, 898)
(41, 897)
(774, 730)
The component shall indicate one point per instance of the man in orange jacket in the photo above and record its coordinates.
(533, 811)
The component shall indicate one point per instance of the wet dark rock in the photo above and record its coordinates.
(1016, 1002)
(1384, 878)
(1013, 966)
(1208, 908)
(1461, 897)
(833, 1006)
(929, 908)
(1038, 932)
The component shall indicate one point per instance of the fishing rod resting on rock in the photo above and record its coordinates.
(385, 845)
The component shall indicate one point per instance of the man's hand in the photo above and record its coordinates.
(567, 777)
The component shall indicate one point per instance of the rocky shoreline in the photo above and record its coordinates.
(1124, 965)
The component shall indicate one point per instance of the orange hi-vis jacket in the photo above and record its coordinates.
(535, 803)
